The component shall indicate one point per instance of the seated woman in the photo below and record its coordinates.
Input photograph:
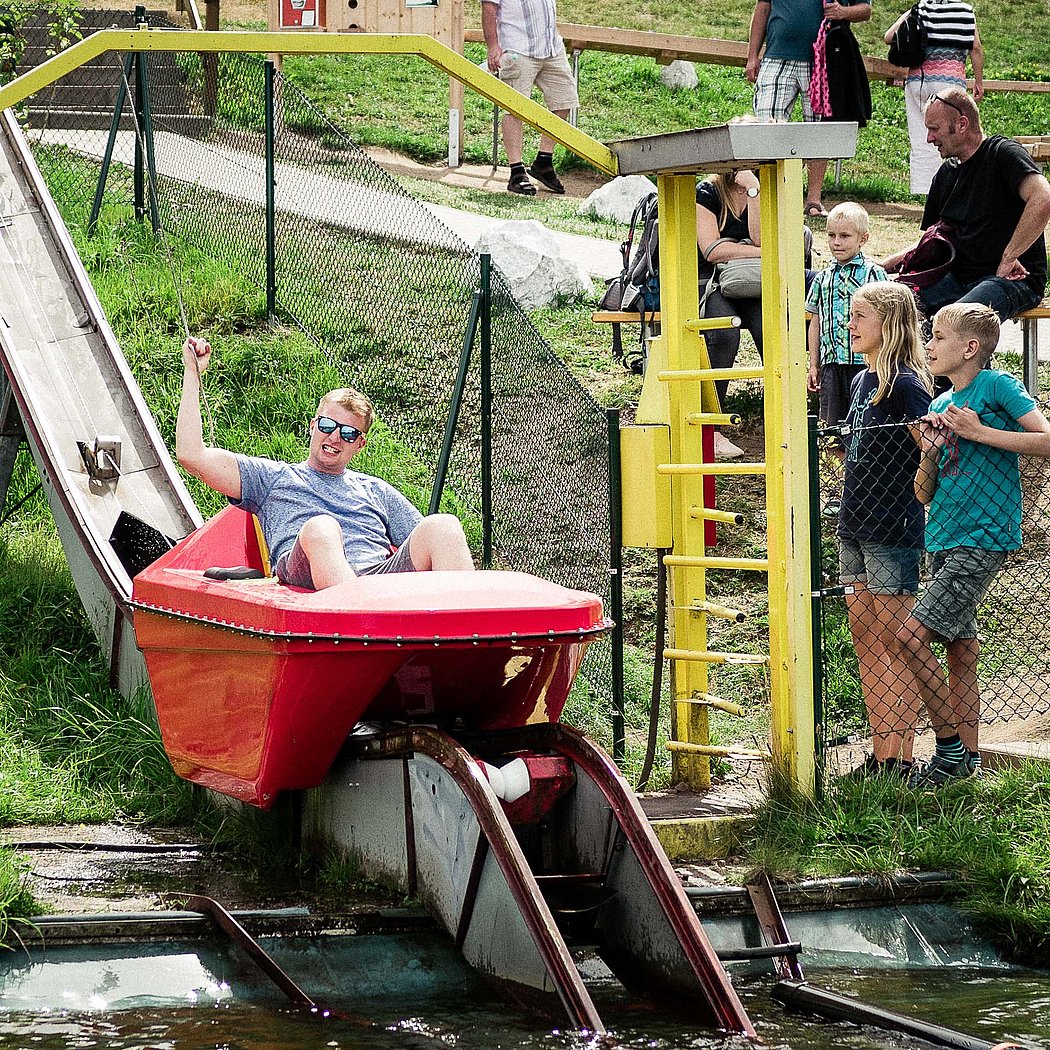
(727, 214)
(727, 227)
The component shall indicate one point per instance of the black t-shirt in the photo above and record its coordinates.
(878, 493)
(734, 227)
(979, 199)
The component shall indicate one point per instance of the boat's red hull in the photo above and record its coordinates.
(258, 685)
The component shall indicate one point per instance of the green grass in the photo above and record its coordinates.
(989, 833)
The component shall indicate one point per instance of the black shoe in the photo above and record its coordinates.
(872, 767)
(939, 771)
(519, 183)
(548, 177)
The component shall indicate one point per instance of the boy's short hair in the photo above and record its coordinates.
(353, 401)
(850, 212)
(974, 321)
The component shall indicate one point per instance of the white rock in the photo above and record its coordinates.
(617, 199)
(533, 262)
(679, 76)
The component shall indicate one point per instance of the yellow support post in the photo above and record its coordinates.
(787, 477)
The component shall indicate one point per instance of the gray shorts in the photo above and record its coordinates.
(959, 579)
(293, 568)
(551, 75)
(883, 569)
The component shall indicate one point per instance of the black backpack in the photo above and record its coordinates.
(637, 287)
(908, 47)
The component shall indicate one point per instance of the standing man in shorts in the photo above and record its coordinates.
(324, 524)
(789, 28)
(969, 477)
(526, 51)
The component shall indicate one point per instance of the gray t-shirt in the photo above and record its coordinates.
(373, 514)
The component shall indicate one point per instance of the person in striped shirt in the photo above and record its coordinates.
(951, 36)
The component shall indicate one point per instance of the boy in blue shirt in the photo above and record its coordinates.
(969, 477)
(832, 363)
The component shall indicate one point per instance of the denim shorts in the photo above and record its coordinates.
(884, 569)
(293, 568)
(959, 579)
(1007, 298)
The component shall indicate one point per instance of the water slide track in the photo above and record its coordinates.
(74, 393)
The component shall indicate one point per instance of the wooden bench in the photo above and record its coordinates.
(1029, 321)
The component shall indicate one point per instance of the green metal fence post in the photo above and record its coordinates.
(271, 193)
(612, 418)
(460, 386)
(486, 411)
(111, 141)
(138, 176)
(146, 124)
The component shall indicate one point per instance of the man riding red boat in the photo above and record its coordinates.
(324, 524)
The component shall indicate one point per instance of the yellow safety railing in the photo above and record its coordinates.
(427, 48)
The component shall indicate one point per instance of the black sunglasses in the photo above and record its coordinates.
(947, 102)
(329, 426)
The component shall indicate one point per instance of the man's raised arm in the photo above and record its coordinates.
(1035, 192)
(216, 467)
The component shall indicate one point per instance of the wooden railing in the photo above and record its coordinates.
(667, 48)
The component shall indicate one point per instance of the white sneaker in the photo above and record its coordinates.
(725, 449)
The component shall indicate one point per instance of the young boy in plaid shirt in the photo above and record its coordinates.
(832, 364)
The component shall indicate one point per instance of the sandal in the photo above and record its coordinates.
(814, 210)
(519, 183)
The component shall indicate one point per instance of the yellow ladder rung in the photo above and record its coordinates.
(711, 324)
(746, 754)
(700, 374)
(730, 517)
(722, 469)
(723, 612)
(709, 700)
(706, 656)
(700, 561)
(713, 419)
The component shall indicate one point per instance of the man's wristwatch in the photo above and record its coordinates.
(752, 191)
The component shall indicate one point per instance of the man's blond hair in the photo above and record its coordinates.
(852, 213)
(353, 401)
(972, 321)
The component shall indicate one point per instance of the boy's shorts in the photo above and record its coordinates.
(959, 579)
(835, 383)
(882, 568)
(293, 568)
(551, 75)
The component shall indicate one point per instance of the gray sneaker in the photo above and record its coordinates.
(939, 771)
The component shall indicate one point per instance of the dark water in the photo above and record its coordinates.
(407, 993)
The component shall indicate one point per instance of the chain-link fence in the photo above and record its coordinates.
(378, 283)
(977, 562)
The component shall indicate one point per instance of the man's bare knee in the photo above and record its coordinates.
(439, 542)
(321, 529)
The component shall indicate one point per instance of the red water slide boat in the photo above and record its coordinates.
(258, 685)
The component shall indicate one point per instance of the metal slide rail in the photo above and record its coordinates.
(499, 840)
(649, 891)
(663, 884)
(73, 388)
